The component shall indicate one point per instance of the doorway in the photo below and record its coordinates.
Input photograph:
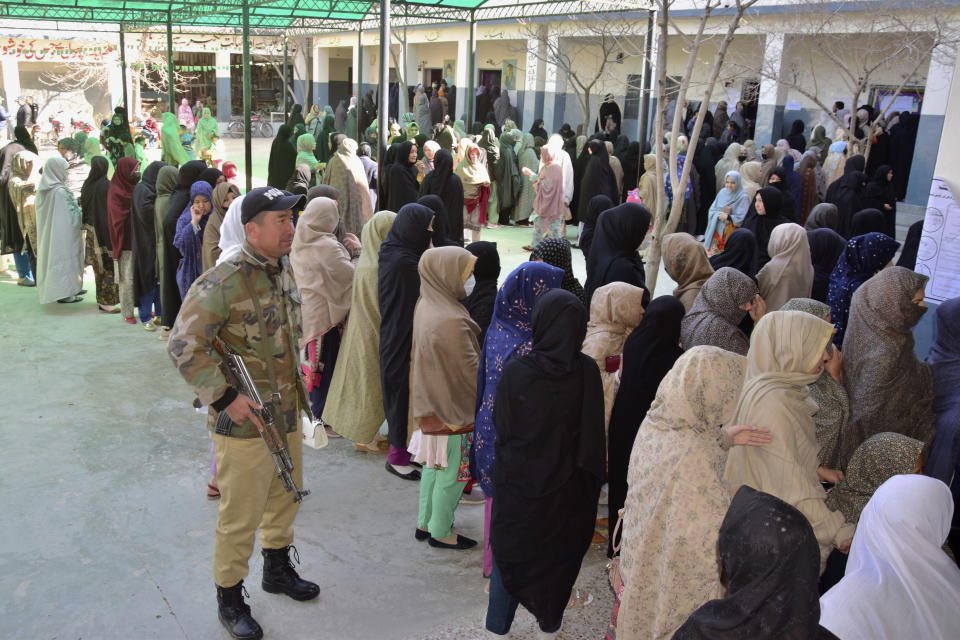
(433, 76)
(490, 77)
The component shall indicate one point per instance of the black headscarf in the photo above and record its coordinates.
(613, 254)
(631, 166)
(486, 270)
(440, 236)
(740, 253)
(169, 293)
(283, 158)
(867, 221)
(880, 192)
(398, 288)
(443, 182)
(597, 179)
(93, 200)
(788, 209)
(908, 256)
(648, 354)
(300, 180)
(22, 136)
(557, 253)
(211, 175)
(846, 196)
(763, 225)
(796, 139)
(597, 205)
(538, 131)
(296, 116)
(549, 459)
(403, 187)
(822, 216)
(771, 560)
(143, 226)
(826, 246)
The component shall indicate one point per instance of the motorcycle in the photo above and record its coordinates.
(80, 125)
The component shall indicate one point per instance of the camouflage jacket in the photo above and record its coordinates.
(218, 305)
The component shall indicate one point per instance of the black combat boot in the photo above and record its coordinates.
(235, 614)
(279, 576)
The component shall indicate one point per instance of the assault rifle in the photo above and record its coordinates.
(236, 369)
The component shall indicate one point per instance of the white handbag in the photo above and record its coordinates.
(314, 432)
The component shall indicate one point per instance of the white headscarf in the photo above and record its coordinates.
(899, 583)
(555, 143)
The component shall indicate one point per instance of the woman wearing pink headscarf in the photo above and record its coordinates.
(548, 204)
(185, 114)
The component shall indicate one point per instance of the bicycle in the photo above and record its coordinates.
(258, 126)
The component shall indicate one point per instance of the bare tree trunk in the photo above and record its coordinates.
(653, 255)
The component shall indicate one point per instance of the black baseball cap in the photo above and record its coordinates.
(268, 199)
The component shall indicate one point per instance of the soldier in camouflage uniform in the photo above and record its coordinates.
(228, 302)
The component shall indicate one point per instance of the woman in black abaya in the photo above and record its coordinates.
(548, 468)
(826, 245)
(764, 216)
(597, 179)
(446, 184)
(648, 355)
(398, 288)
(440, 236)
(144, 238)
(613, 254)
(403, 187)
(169, 293)
(283, 158)
(597, 205)
(880, 195)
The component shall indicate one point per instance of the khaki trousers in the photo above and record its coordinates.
(251, 497)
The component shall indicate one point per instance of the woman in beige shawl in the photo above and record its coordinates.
(223, 195)
(890, 389)
(472, 170)
(729, 162)
(615, 310)
(324, 274)
(617, 169)
(443, 390)
(830, 396)
(22, 187)
(345, 173)
(677, 498)
(355, 407)
(787, 352)
(789, 274)
(649, 190)
(750, 173)
(686, 262)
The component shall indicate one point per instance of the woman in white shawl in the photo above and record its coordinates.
(899, 583)
(677, 498)
(324, 274)
(787, 352)
(527, 159)
(345, 173)
(60, 250)
(556, 146)
(729, 162)
(421, 107)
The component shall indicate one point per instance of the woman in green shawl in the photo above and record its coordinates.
(173, 153)
(207, 128)
(305, 152)
(526, 159)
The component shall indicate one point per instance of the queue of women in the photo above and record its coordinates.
(776, 455)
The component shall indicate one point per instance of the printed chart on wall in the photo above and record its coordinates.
(939, 253)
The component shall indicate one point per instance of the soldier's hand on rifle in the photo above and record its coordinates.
(242, 409)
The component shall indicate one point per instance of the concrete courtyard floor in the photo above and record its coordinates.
(107, 532)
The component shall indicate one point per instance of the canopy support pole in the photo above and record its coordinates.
(171, 85)
(247, 124)
(383, 109)
(359, 74)
(286, 112)
(123, 72)
(645, 95)
(471, 71)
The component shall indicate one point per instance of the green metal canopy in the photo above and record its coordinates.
(301, 15)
